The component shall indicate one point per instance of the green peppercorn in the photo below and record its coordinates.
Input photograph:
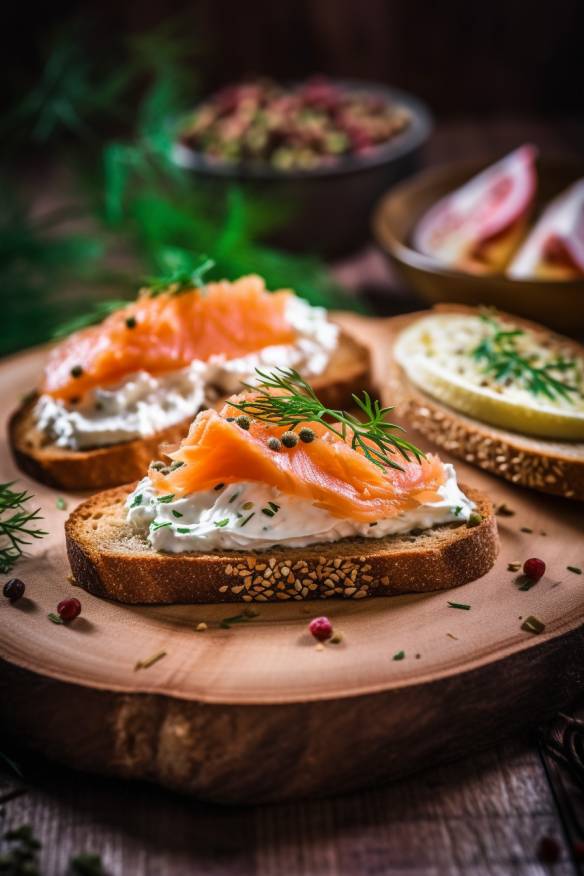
(243, 422)
(275, 444)
(131, 322)
(76, 371)
(306, 435)
(289, 439)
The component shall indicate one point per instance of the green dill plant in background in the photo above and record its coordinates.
(130, 212)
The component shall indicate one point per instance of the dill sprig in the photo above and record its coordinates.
(180, 280)
(296, 403)
(503, 360)
(16, 525)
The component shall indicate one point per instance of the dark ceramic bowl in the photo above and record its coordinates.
(558, 304)
(327, 209)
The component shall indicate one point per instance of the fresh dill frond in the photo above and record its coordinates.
(295, 403)
(180, 280)
(502, 359)
(16, 525)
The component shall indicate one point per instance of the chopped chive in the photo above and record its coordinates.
(273, 506)
(223, 522)
(233, 498)
(524, 583)
(218, 487)
(60, 503)
(166, 499)
(226, 622)
(184, 530)
(399, 656)
(532, 624)
(457, 510)
(137, 500)
(156, 526)
(575, 569)
(246, 519)
(176, 513)
(176, 464)
(461, 605)
(268, 512)
(55, 618)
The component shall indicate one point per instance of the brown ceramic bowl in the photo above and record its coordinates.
(554, 303)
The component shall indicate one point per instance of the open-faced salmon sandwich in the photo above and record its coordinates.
(278, 497)
(113, 392)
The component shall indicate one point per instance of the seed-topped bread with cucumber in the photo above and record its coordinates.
(495, 390)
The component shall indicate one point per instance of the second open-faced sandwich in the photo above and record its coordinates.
(497, 391)
(113, 392)
(278, 497)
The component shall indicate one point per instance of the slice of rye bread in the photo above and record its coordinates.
(108, 559)
(94, 469)
(543, 464)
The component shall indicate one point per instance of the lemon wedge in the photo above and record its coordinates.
(440, 355)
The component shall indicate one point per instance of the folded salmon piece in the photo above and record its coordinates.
(326, 470)
(168, 331)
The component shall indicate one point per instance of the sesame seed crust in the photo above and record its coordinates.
(107, 559)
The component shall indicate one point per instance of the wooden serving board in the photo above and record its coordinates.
(256, 712)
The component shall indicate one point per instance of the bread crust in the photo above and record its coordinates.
(101, 467)
(109, 561)
(555, 467)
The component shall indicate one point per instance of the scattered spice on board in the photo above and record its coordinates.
(514, 567)
(150, 661)
(526, 529)
(399, 656)
(451, 636)
(60, 503)
(462, 605)
(504, 511)
(201, 627)
(575, 569)
(532, 624)
(246, 615)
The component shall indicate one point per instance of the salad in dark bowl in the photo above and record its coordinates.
(322, 150)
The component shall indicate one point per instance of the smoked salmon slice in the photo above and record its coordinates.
(326, 471)
(168, 331)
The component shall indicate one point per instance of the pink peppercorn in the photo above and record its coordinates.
(321, 628)
(69, 609)
(534, 568)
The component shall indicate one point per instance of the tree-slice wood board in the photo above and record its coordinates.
(256, 712)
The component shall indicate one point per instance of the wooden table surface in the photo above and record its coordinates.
(484, 815)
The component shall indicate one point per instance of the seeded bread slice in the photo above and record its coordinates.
(347, 372)
(549, 466)
(108, 559)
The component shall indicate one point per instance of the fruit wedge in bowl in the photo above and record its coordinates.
(477, 227)
(112, 392)
(277, 497)
(554, 250)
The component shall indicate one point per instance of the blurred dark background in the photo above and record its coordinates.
(461, 57)
(91, 200)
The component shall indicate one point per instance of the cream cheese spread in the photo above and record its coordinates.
(255, 516)
(144, 404)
